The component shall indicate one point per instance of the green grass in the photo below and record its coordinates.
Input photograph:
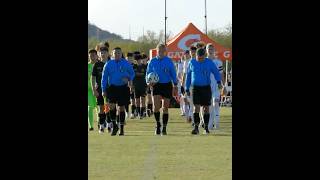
(179, 155)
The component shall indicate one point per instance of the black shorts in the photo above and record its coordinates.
(118, 95)
(163, 89)
(140, 91)
(100, 100)
(201, 95)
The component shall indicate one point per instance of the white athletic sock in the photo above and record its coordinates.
(182, 106)
(217, 115)
(211, 119)
(191, 112)
(201, 115)
(186, 109)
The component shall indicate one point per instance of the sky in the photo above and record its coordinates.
(136, 16)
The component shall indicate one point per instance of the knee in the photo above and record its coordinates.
(196, 109)
(165, 110)
(112, 106)
(121, 108)
(206, 109)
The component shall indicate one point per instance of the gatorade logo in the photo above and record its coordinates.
(175, 55)
(187, 40)
(226, 54)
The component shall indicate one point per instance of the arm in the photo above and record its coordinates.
(173, 73)
(104, 79)
(93, 80)
(131, 74)
(93, 86)
(184, 72)
(188, 79)
(149, 70)
(220, 68)
(214, 70)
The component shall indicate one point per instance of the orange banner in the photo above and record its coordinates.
(190, 36)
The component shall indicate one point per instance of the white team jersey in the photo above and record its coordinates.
(185, 65)
(180, 69)
(179, 75)
(214, 85)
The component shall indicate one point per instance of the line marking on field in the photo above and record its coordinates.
(149, 163)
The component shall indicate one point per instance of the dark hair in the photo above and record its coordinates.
(201, 52)
(136, 52)
(106, 44)
(193, 48)
(200, 45)
(144, 56)
(129, 54)
(186, 52)
(92, 51)
(104, 49)
(137, 57)
(117, 48)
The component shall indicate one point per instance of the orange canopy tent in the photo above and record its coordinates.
(187, 37)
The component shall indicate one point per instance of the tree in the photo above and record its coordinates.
(92, 42)
(223, 37)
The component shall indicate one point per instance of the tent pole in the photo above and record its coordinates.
(205, 15)
(226, 79)
(165, 22)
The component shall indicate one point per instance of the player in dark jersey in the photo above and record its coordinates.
(140, 85)
(131, 99)
(96, 78)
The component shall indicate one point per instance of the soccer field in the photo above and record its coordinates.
(179, 155)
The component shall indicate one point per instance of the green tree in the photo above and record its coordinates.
(222, 36)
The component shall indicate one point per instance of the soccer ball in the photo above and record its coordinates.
(152, 77)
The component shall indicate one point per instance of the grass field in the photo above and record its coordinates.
(179, 155)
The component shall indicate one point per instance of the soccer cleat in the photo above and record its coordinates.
(121, 133)
(114, 130)
(101, 130)
(182, 114)
(105, 124)
(91, 129)
(195, 131)
(206, 131)
(109, 127)
(157, 131)
(132, 116)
